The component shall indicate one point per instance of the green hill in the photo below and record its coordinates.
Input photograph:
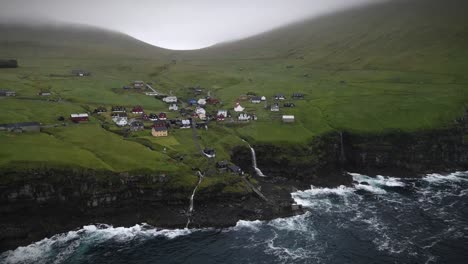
(398, 65)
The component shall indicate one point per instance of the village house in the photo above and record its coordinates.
(170, 99)
(201, 102)
(192, 101)
(235, 169)
(78, 118)
(289, 105)
(256, 100)
(7, 93)
(263, 98)
(80, 73)
(21, 127)
(153, 117)
(202, 125)
(144, 116)
(298, 96)
(138, 84)
(239, 108)
(120, 119)
(186, 123)
(126, 87)
(159, 129)
(221, 115)
(279, 97)
(209, 152)
(274, 107)
(212, 101)
(136, 125)
(243, 117)
(44, 93)
(162, 116)
(137, 110)
(100, 110)
(173, 107)
(222, 165)
(288, 118)
(119, 109)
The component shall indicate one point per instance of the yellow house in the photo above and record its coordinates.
(159, 131)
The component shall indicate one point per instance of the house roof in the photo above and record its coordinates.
(234, 168)
(160, 128)
(256, 98)
(79, 115)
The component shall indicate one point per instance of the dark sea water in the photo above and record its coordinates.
(378, 220)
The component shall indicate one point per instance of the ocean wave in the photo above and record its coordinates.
(250, 225)
(59, 247)
(294, 223)
(452, 177)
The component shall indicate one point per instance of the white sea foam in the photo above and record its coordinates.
(42, 251)
(294, 223)
(439, 178)
(251, 225)
(284, 253)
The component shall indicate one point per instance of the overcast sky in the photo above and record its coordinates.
(176, 24)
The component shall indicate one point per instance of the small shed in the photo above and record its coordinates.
(201, 101)
(288, 118)
(222, 164)
(280, 96)
(138, 84)
(80, 73)
(298, 96)
(235, 169)
(256, 100)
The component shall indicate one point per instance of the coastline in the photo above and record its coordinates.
(40, 204)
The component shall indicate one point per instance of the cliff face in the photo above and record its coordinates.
(44, 203)
(325, 160)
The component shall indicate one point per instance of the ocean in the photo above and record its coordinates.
(377, 220)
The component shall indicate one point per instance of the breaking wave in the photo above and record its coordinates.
(57, 248)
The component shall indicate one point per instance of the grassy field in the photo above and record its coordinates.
(391, 66)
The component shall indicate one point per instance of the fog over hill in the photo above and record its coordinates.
(176, 24)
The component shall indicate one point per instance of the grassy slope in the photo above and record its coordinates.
(389, 66)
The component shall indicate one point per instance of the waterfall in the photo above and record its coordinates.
(254, 161)
(190, 209)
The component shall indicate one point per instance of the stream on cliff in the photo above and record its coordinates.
(377, 220)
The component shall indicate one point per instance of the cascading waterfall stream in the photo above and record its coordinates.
(254, 161)
(190, 209)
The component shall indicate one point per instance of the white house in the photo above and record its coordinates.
(120, 121)
(200, 111)
(185, 123)
(275, 107)
(263, 98)
(239, 108)
(173, 107)
(201, 101)
(244, 117)
(288, 118)
(170, 99)
(280, 97)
